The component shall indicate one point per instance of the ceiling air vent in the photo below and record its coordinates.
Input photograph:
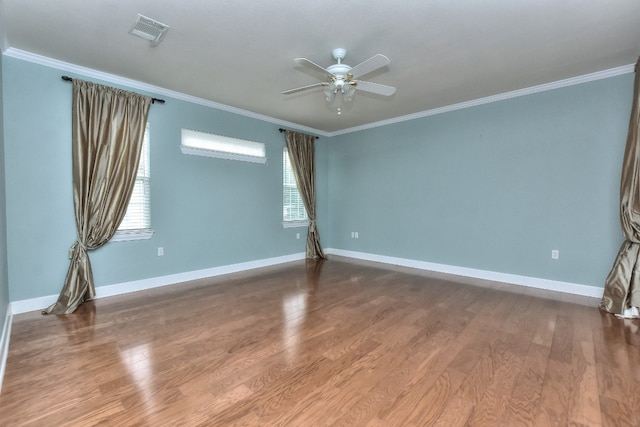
(149, 29)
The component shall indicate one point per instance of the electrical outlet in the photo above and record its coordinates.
(353, 234)
(356, 233)
(297, 235)
(555, 254)
(160, 251)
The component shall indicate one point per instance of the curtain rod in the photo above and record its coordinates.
(284, 130)
(153, 100)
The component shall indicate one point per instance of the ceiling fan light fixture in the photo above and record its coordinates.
(340, 89)
(348, 90)
(330, 92)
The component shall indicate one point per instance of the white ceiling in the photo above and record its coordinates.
(240, 53)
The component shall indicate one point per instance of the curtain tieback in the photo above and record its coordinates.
(77, 245)
(312, 226)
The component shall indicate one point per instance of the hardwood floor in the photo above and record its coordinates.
(338, 342)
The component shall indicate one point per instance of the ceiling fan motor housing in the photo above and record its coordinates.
(339, 70)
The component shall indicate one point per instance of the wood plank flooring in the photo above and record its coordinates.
(332, 343)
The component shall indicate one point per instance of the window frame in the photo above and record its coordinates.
(298, 222)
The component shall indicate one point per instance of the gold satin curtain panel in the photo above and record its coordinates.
(622, 286)
(108, 128)
(301, 150)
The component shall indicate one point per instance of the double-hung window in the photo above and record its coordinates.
(293, 212)
(136, 224)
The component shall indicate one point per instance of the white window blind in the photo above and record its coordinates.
(292, 207)
(224, 147)
(138, 216)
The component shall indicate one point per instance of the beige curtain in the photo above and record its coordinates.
(622, 286)
(107, 134)
(301, 150)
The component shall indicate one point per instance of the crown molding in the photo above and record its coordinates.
(99, 75)
(612, 72)
(114, 79)
(4, 43)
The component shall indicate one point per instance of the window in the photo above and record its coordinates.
(136, 224)
(224, 147)
(293, 212)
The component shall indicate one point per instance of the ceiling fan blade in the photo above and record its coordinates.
(370, 65)
(298, 89)
(376, 88)
(312, 66)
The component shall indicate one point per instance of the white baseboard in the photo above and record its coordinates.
(33, 304)
(513, 279)
(39, 303)
(4, 343)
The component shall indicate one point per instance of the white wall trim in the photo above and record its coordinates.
(512, 279)
(612, 72)
(100, 75)
(4, 45)
(134, 84)
(39, 303)
(4, 343)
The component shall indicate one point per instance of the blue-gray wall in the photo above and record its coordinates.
(4, 280)
(205, 212)
(495, 187)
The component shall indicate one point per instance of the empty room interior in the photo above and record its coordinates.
(319, 213)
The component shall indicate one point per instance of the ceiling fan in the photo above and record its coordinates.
(342, 79)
